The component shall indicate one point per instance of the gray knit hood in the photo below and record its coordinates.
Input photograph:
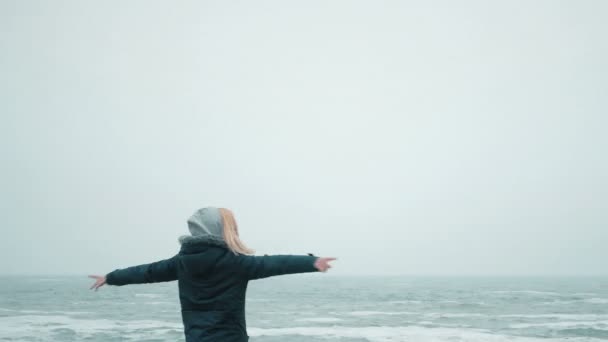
(206, 226)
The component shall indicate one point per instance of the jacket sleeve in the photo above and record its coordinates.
(256, 267)
(163, 270)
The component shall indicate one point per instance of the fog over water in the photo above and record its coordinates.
(403, 137)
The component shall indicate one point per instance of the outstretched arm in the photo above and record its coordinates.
(256, 267)
(159, 271)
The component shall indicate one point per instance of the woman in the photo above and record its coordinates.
(213, 268)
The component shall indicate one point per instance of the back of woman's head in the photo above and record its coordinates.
(215, 226)
(231, 233)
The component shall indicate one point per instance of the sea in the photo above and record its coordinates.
(319, 307)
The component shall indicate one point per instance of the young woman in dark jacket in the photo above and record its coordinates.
(213, 268)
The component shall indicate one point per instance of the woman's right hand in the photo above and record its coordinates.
(322, 264)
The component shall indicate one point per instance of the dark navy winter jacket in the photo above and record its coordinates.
(212, 284)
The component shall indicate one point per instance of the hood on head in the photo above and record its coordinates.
(205, 225)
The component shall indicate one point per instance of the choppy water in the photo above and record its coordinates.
(319, 308)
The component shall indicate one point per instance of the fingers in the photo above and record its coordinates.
(325, 263)
(99, 281)
(322, 264)
(97, 285)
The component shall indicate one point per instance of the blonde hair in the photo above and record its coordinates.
(231, 233)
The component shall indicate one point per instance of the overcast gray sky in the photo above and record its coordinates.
(403, 137)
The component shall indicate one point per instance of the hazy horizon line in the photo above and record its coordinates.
(411, 275)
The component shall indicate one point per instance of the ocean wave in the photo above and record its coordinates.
(454, 314)
(597, 325)
(405, 302)
(149, 295)
(40, 312)
(262, 300)
(563, 316)
(578, 301)
(596, 300)
(529, 292)
(42, 327)
(42, 280)
(403, 334)
(23, 311)
(320, 319)
(47, 328)
(376, 313)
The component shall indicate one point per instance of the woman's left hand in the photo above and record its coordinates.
(99, 281)
(322, 264)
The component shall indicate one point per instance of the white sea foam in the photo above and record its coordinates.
(405, 302)
(403, 334)
(376, 313)
(149, 295)
(436, 315)
(528, 292)
(598, 325)
(574, 317)
(24, 311)
(454, 315)
(52, 312)
(43, 327)
(321, 319)
(578, 301)
(596, 300)
(159, 303)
